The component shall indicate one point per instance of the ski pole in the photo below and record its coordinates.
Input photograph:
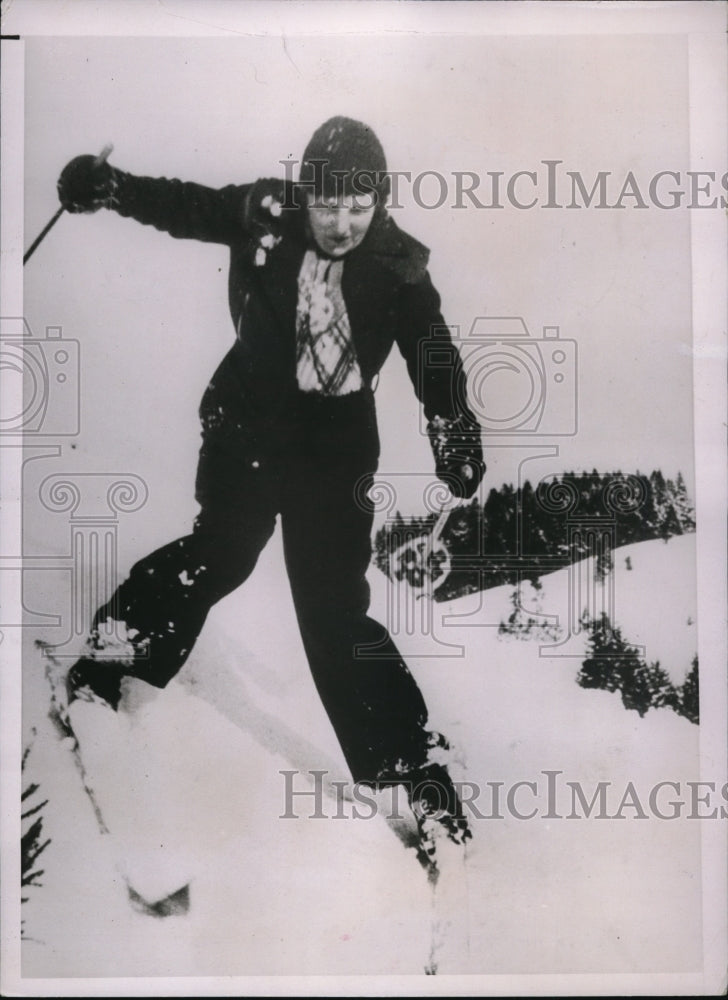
(444, 516)
(101, 158)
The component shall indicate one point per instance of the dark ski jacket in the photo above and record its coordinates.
(386, 287)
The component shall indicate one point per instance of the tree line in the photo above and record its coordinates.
(524, 533)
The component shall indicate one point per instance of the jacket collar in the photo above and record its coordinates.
(389, 247)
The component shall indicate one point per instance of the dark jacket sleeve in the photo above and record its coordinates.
(183, 209)
(436, 370)
(433, 361)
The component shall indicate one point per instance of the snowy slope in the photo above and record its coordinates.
(198, 795)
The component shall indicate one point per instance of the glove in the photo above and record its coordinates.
(87, 186)
(458, 454)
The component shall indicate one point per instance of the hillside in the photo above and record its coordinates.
(198, 795)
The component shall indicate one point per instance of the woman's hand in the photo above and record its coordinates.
(86, 184)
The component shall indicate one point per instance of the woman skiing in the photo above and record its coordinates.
(322, 283)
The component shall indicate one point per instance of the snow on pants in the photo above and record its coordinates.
(307, 474)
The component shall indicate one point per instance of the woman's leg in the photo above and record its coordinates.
(373, 702)
(372, 699)
(148, 627)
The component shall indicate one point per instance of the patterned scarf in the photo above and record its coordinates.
(326, 361)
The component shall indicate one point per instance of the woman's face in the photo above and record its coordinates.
(339, 224)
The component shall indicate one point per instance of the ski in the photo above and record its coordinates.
(55, 674)
(174, 903)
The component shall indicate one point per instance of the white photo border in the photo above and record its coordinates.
(704, 23)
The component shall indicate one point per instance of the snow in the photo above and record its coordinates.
(190, 783)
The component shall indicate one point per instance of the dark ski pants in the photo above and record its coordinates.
(313, 474)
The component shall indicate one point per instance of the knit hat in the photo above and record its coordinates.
(344, 156)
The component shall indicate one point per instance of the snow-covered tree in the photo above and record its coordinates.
(689, 695)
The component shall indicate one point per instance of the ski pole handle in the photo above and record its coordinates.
(104, 154)
(101, 158)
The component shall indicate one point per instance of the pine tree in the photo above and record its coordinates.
(670, 524)
(683, 507)
(644, 523)
(689, 695)
(32, 842)
(663, 691)
(615, 665)
(600, 669)
(659, 497)
(645, 686)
